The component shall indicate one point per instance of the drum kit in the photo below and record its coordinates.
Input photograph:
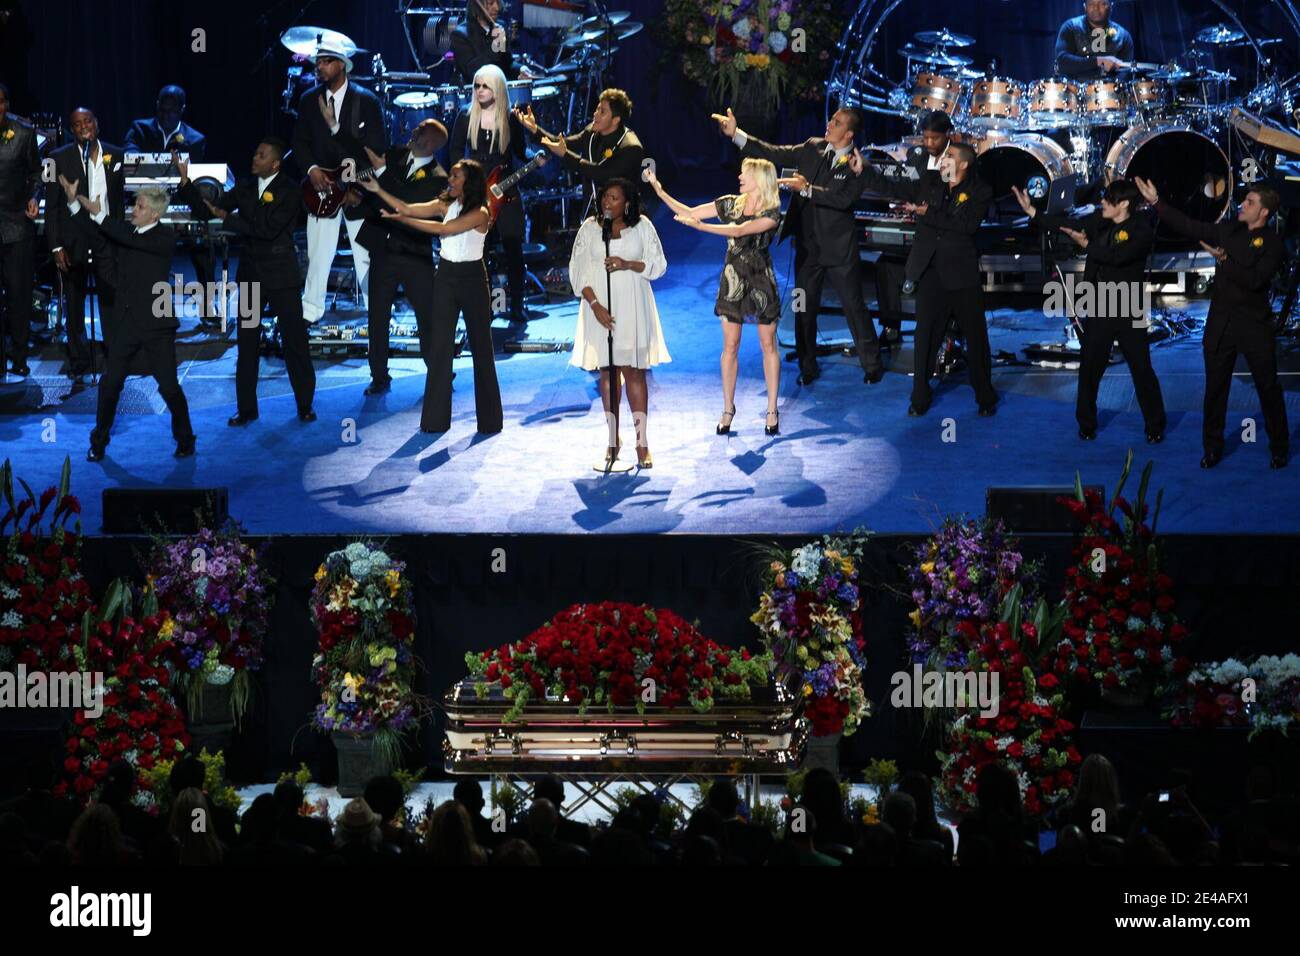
(1168, 122)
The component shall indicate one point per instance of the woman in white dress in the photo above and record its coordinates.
(626, 305)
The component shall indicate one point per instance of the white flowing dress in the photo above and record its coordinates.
(638, 337)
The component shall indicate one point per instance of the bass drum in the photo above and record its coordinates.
(1187, 167)
(1029, 161)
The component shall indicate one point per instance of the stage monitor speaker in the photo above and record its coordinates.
(164, 510)
(1033, 507)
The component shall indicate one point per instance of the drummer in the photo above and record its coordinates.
(481, 41)
(1093, 44)
(936, 136)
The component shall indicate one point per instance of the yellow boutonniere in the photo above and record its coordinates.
(962, 197)
(1257, 242)
(108, 159)
(1111, 32)
(268, 197)
(179, 137)
(9, 134)
(1121, 236)
(609, 153)
(419, 173)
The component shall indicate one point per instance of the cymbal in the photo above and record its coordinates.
(1171, 73)
(591, 23)
(304, 40)
(1219, 35)
(628, 29)
(564, 66)
(943, 38)
(580, 39)
(933, 57)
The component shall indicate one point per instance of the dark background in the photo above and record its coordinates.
(114, 56)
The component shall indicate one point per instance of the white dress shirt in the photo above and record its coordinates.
(96, 185)
(465, 246)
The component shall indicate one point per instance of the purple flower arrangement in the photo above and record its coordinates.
(214, 599)
(962, 574)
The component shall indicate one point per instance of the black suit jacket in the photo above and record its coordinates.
(945, 234)
(138, 264)
(20, 178)
(586, 158)
(1241, 284)
(1116, 252)
(67, 162)
(380, 235)
(362, 120)
(266, 227)
(824, 222)
(471, 48)
(146, 136)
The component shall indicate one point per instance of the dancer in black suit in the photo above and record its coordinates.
(462, 288)
(142, 261)
(399, 255)
(944, 264)
(20, 192)
(1118, 241)
(826, 234)
(263, 210)
(922, 162)
(96, 168)
(1241, 315)
(165, 132)
(335, 105)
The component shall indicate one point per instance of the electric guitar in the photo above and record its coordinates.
(498, 188)
(325, 203)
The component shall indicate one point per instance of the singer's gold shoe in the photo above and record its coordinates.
(644, 459)
(611, 454)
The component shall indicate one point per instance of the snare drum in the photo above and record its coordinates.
(409, 110)
(934, 91)
(996, 102)
(1053, 102)
(1104, 103)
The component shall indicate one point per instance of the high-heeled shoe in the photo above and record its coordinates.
(644, 460)
(611, 454)
(773, 429)
(729, 416)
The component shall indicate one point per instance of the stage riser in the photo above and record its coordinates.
(1236, 594)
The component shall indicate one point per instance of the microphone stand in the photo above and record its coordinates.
(611, 465)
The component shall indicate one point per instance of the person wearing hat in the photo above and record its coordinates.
(356, 830)
(334, 105)
(399, 255)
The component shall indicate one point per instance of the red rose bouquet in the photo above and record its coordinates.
(1120, 629)
(617, 655)
(43, 595)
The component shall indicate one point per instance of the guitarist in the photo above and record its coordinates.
(323, 111)
(400, 255)
(489, 133)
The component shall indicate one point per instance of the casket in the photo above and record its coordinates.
(765, 734)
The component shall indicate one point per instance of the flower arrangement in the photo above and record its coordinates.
(43, 596)
(780, 46)
(962, 574)
(811, 622)
(213, 601)
(365, 661)
(1262, 693)
(140, 722)
(1027, 734)
(617, 655)
(1120, 628)
(158, 781)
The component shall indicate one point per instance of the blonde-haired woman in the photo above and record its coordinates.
(747, 291)
(491, 135)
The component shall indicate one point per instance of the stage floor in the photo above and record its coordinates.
(847, 456)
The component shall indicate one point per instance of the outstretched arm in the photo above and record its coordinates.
(472, 219)
(732, 230)
(702, 211)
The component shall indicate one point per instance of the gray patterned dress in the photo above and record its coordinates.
(747, 289)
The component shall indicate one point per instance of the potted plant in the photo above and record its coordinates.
(210, 597)
(365, 661)
(810, 619)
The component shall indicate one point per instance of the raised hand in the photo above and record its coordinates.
(1220, 254)
(687, 220)
(798, 182)
(1080, 238)
(648, 176)
(370, 184)
(525, 116)
(217, 211)
(1026, 203)
(183, 165)
(856, 161)
(375, 159)
(726, 124)
(1147, 189)
(556, 146)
